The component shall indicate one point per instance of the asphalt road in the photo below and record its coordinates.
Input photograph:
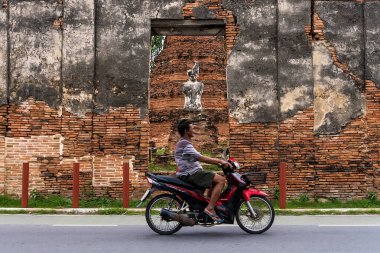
(82, 234)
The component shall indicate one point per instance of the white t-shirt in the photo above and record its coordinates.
(186, 157)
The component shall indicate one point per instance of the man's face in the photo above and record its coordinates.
(190, 132)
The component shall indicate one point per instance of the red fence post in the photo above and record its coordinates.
(75, 185)
(25, 185)
(125, 185)
(283, 167)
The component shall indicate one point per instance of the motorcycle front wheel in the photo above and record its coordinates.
(262, 218)
(155, 221)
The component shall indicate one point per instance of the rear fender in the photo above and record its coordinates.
(252, 192)
(147, 195)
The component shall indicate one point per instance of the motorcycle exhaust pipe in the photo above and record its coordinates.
(181, 218)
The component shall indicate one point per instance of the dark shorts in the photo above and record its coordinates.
(201, 179)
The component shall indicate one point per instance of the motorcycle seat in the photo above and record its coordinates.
(174, 180)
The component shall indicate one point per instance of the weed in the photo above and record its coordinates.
(158, 168)
(34, 194)
(372, 196)
(276, 192)
(333, 200)
(304, 198)
(162, 151)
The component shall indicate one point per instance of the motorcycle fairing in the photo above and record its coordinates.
(251, 192)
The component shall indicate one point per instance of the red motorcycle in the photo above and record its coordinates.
(183, 203)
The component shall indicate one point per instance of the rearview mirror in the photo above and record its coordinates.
(226, 154)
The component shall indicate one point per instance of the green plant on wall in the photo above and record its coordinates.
(156, 46)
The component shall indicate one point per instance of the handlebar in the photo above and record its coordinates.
(228, 169)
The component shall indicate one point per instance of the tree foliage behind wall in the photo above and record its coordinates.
(156, 46)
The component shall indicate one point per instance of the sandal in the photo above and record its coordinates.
(214, 217)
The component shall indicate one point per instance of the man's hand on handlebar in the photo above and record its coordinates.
(225, 164)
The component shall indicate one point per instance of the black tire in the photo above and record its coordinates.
(264, 211)
(152, 214)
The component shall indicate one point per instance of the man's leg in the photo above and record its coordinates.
(209, 190)
(218, 183)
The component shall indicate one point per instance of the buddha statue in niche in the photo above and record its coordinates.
(193, 89)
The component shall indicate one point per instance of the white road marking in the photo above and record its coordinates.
(352, 225)
(83, 225)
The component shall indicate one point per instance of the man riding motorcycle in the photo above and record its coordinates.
(190, 170)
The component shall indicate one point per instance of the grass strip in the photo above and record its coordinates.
(56, 202)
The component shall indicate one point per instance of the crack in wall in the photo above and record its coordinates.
(332, 76)
(317, 34)
(336, 77)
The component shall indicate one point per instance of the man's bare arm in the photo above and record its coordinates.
(210, 160)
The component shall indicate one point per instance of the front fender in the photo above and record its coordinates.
(252, 192)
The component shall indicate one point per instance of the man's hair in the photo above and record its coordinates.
(183, 125)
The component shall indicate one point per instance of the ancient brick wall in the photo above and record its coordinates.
(302, 87)
(170, 72)
(344, 165)
(325, 159)
(373, 135)
(70, 92)
(214, 9)
(52, 140)
(167, 78)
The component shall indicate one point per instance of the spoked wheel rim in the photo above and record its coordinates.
(159, 224)
(261, 220)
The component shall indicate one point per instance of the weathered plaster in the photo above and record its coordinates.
(3, 56)
(122, 53)
(123, 42)
(337, 100)
(35, 59)
(372, 31)
(295, 98)
(252, 64)
(344, 29)
(294, 57)
(166, 9)
(102, 53)
(202, 12)
(78, 56)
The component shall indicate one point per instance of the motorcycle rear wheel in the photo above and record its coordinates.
(263, 219)
(154, 219)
